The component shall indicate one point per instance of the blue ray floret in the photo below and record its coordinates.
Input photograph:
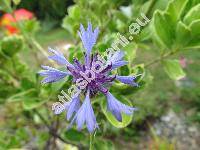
(127, 80)
(117, 60)
(52, 74)
(85, 115)
(100, 81)
(116, 107)
(73, 107)
(88, 38)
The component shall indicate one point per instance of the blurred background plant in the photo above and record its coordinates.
(169, 43)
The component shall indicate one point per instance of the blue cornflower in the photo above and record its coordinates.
(98, 81)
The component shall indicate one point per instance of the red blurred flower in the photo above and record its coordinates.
(7, 19)
(11, 29)
(23, 14)
(183, 62)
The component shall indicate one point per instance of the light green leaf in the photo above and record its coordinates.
(74, 11)
(195, 28)
(175, 9)
(145, 34)
(195, 34)
(173, 69)
(67, 24)
(126, 119)
(182, 34)
(163, 29)
(192, 15)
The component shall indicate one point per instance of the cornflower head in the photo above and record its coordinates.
(91, 77)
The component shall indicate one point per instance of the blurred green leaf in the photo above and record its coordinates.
(16, 2)
(195, 35)
(168, 22)
(41, 138)
(173, 69)
(138, 70)
(195, 28)
(74, 11)
(124, 70)
(31, 103)
(100, 144)
(22, 134)
(175, 9)
(145, 34)
(4, 5)
(31, 26)
(74, 135)
(192, 15)
(163, 29)
(11, 45)
(22, 96)
(131, 49)
(27, 83)
(182, 34)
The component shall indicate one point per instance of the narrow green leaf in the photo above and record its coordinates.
(173, 69)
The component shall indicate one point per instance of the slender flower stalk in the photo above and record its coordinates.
(91, 77)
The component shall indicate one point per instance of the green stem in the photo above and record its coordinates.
(91, 140)
(166, 55)
(39, 47)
